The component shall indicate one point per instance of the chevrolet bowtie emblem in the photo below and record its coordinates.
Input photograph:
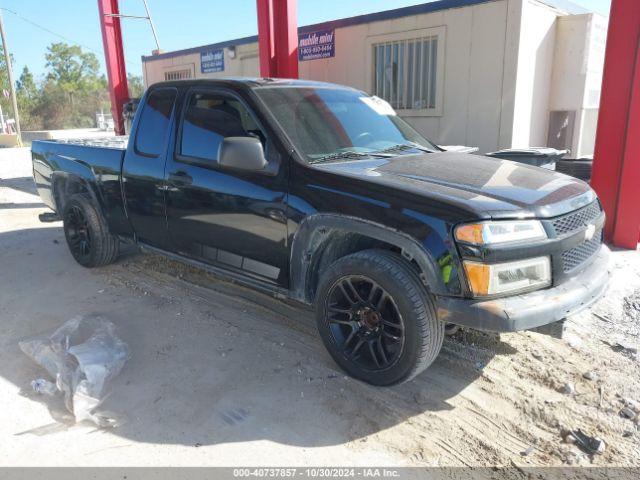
(590, 231)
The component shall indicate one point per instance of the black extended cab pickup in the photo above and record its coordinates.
(322, 194)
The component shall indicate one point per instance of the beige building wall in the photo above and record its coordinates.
(494, 73)
(577, 75)
(533, 75)
(244, 63)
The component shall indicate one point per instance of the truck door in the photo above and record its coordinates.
(143, 168)
(233, 219)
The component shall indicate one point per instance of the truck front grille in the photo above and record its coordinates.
(578, 255)
(577, 220)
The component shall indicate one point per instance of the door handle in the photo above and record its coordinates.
(163, 187)
(277, 215)
(180, 178)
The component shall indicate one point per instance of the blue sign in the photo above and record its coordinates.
(314, 45)
(212, 61)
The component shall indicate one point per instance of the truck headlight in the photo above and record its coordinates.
(509, 277)
(490, 233)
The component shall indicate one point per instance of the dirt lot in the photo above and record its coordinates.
(220, 375)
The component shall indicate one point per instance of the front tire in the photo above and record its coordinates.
(87, 235)
(376, 318)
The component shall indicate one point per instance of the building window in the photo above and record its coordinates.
(405, 72)
(177, 75)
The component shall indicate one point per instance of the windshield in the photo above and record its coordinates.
(328, 123)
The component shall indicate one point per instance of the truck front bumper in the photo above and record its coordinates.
(530, 310)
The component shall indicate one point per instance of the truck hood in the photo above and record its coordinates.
(488, 186)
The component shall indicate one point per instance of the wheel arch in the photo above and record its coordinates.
(64, 185)
(321, 239)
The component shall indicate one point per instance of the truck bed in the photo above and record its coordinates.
(92, 165)
(119, 142)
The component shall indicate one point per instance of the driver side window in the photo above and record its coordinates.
(208, 119)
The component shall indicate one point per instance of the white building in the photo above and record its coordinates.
(487, 73)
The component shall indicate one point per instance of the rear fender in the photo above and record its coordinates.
(65, 184)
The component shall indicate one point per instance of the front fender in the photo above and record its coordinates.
(315, 229)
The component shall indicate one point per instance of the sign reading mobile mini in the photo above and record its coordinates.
(212, 61)
(314, 45)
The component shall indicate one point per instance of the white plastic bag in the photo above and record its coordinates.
(83, 355)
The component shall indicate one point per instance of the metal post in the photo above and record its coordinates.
(285, 24)
(616, 166)
(12, 86)
(114, 59)
(153, 28)
(278, 38)
(265, 38)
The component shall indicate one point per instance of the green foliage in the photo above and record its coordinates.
(26, 85)
(71, 68)
(69, 95)
(136, 88)
(27, 93)
(5, 102)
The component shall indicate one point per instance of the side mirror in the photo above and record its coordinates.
(243, 153)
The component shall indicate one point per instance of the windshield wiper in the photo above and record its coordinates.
(349, 154)
(406, 146)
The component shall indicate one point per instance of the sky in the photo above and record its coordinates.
(32, 25)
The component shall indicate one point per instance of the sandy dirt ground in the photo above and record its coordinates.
(221, 375)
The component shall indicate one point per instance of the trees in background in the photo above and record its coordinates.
(136, 88)
(5, 101)
(70, 94)
(27, 93)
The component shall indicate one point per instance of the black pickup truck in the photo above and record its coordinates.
(321, 194)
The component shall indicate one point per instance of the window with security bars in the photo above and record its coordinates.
(177, 75)
(405, 72)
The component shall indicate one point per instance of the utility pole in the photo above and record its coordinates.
(153, 29)
(12, 87)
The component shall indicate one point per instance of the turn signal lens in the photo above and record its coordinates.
(470, 233)
(478, 275)
(508, 277)
(490, 233)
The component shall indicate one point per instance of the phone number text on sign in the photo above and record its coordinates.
(314, 45)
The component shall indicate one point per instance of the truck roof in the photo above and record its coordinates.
(251, 83)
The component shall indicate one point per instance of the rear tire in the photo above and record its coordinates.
(384, 330)
(87, 235)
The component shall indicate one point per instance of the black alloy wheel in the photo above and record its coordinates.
(377, 318)
(78, 232)
(87, 234)
(365, 322)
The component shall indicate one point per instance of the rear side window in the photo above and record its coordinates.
(153, 125)
(209, 118)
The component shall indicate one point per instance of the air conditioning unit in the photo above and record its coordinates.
(561, 127)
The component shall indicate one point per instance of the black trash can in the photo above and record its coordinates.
(538, 157)
(580, 168)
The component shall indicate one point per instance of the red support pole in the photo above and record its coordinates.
(266, 38)
(278, 38)
(616, 166)
(114, 58)
(286, 35)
